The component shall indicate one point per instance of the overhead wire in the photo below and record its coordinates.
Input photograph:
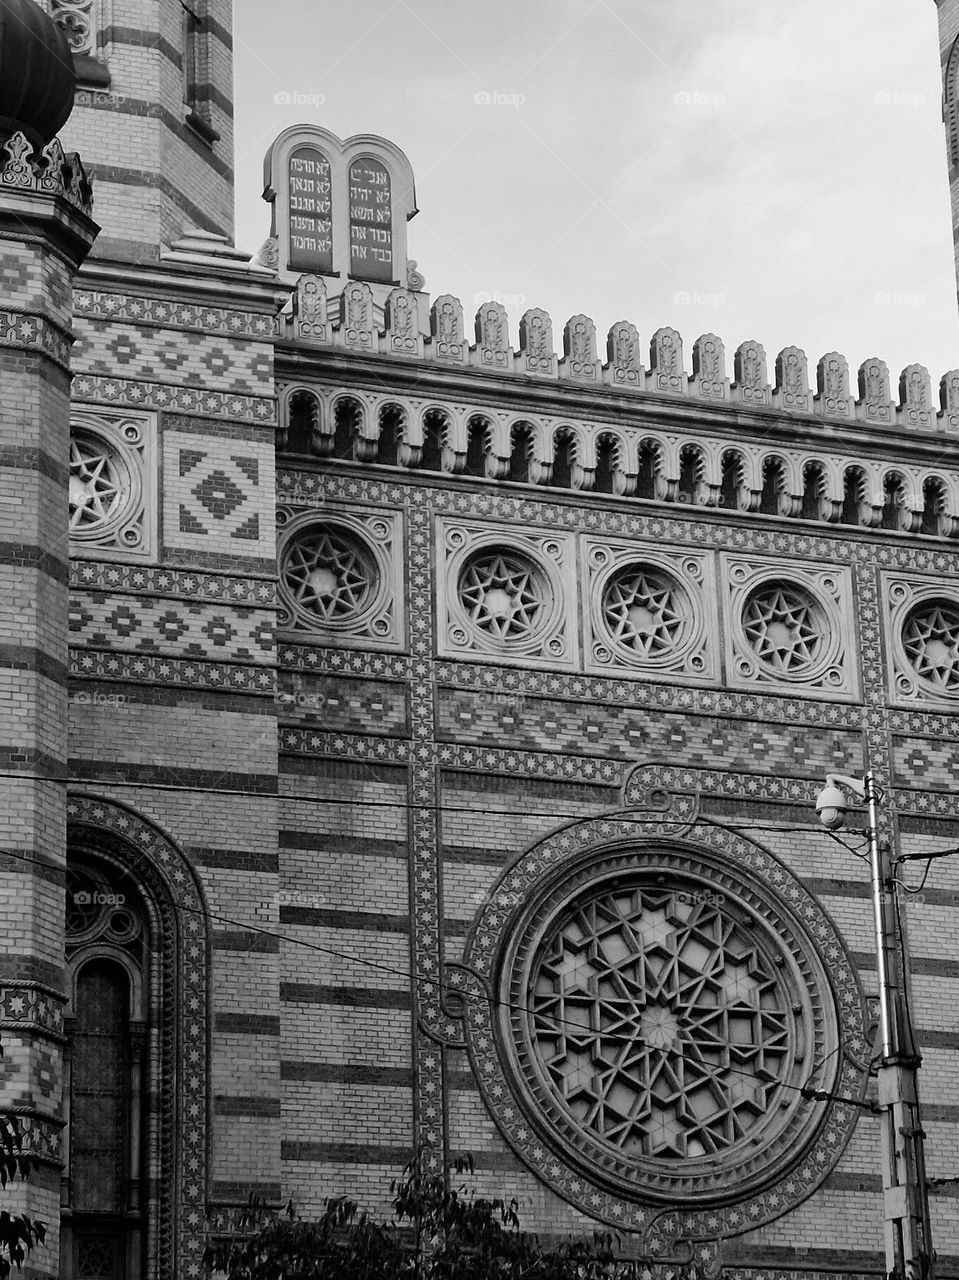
(806, 1091)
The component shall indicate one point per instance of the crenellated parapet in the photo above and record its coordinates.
(350, 322)
(49, 171)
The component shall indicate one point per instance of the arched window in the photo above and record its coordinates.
(102, 1207)
(136, 1060)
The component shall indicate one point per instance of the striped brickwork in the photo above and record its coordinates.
(159, 174)
(415, 778)
(173, 661)
(42, 241)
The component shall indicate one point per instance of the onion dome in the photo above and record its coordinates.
(37, 77)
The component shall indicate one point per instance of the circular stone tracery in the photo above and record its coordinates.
(329, 576)
(930, 637)
(657, 1010)
(98, 483)
(503, 594)
(646, 612)
(786, 628)
(662, 1024)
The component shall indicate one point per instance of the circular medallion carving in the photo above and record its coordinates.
(647, 615)
(658, 1009)
(930, 638)
(787, 629)
(328, 576)
(504, 595)
(102, 485)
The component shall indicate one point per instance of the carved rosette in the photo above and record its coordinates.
(505, 597)
(112, 482)
(339, 580)
(922, 631)
(650, 612)
(789, 626)
(655, 1007)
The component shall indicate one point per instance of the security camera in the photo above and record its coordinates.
(831, 805)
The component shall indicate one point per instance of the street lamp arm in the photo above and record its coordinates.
(856, 785)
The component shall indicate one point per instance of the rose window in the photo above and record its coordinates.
(659, 1023)
(786, 629)
(930, 638)
(503, 594)
(646, 612)
(329, 576)
(97, 483)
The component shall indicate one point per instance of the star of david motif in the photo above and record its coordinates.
(96, 490)
(662, 1027)
(329, 575)
(644, 611)
(930, 638)
(503, 595)
(784, 628)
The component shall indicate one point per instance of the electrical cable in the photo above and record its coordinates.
(805, 1091)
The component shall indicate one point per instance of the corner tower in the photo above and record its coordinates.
(154, 112)
(949, 57)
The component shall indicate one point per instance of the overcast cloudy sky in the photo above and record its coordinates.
(755, 168)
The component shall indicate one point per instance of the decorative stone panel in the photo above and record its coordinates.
(215, 494)
(340, 580)
(650, 613)
(923, 640)
(790, 626)
(113, 483)
(661, 1007)
(511, 596)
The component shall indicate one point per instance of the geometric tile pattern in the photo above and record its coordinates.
(174, 315)
(211, 361)
(173, 582)
(148, 394)
(585, 728)
(214, 494)
(143, 669)
(34, 333)
(143, 625)
(330, 703)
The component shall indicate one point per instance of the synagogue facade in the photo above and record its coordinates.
(416, 726)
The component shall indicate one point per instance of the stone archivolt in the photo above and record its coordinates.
(812, 482)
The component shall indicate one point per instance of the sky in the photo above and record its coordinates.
(757, 169)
